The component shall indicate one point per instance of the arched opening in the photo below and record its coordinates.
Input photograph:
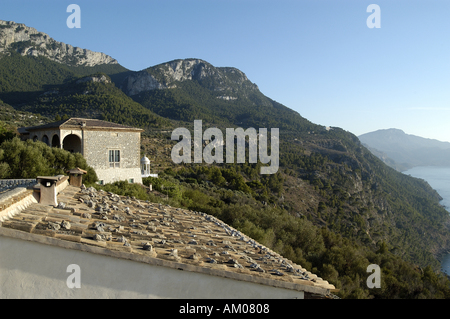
(35, 138)
(45, 140)
(72, 143)
(55, 141)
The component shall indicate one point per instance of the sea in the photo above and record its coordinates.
(439, 179)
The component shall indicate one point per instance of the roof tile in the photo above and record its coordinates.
(78, 122)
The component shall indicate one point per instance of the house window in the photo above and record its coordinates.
(114, 158)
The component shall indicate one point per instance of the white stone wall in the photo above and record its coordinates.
(36, 270)
(96, 151)
(98, 143)
(111, 175)
(95, 146)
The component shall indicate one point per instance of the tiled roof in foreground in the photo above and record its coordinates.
(157, 234)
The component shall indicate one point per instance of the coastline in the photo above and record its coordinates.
(438, 177)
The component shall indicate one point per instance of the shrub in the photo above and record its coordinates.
(29, 159)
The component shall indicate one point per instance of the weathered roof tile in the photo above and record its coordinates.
(19, 225)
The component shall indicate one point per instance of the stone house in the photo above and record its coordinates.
(111, 149)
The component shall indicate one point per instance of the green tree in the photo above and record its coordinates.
(29, 159)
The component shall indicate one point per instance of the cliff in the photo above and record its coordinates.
(30, 42)
(224, 80)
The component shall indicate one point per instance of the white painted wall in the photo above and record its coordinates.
(35, 270)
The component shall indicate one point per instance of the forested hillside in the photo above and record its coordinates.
(46, 88)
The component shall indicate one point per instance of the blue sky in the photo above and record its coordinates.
(317, 57)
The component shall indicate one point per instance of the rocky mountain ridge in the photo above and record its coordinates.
(226, 81)
(29, 42)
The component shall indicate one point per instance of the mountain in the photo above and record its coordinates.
(31, 61)
(332, 205)
(194, 89)
(30, 42)
(408, 150)
(227, 82)
(51, 89)
(93, 96)
(54, 79)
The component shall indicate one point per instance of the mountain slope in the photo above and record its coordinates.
(93, 96)
(41, 75)
(408, 150)
(31, 60)
(15, 118)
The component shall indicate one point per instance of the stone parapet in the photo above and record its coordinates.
(8, 184)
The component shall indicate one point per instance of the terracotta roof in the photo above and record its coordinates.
(78, 122)
(168, 236)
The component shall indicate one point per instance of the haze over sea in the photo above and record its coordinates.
(439, 179)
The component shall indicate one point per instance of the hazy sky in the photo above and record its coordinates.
(316, 57)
